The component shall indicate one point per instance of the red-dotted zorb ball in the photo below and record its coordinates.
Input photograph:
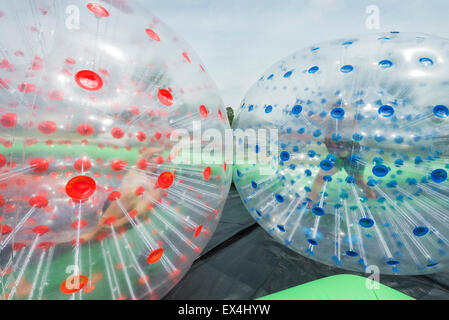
(97, 198)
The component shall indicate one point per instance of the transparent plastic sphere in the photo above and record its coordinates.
(96, 202)
(359, 176)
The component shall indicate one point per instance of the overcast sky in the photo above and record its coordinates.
(239, 39)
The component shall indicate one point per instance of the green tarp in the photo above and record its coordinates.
(339, 287)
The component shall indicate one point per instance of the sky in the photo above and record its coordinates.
(239, 39)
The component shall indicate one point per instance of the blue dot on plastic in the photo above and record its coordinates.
(420, 231)
(426, 61)
(296, 109)
(380, 170)
(438, 175)
(347, 68)
(386, 111)
(268, 109)
(285, 156)
(326, 165)
(313, 69)
(441, 111)
(385, 64)
(337, 113)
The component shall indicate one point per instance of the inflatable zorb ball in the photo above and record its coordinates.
(359, 178)
(96, 199)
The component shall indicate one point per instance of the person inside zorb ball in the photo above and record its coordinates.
(97, 199)
(359, 176)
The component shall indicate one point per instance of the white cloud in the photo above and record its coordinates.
(239, 39)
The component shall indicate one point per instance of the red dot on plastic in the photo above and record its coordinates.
(30, 221)
(153, 35)
(206, 173)
(117, 133)
(135, 110)
(5, 229)
(144, 279)
(9, 207)
(70, 61)
(160, 159)
(198, 231)
(98, 10)
(47, 127)
(79, 224)
(40, 230)
(45, 245)
(38, 165)
(101, 236)
(85, 129)
(80, 187)
(26, 87)
(114, 195)
(73, 284)
(55, 95)
(2, 160)
(142, 164)
(165, 97)
(75, 242)
(133, 213)
(18, 246)
(8, 120)
(122, 230)
(155, 255)
(186, 56)
(175, 273)
(38, 202)
(89, 288)
(203, 111)
(220, 114)
(2, 201)
(89, 80)
(139, 191)
(118, 165)
(141, 136)
(109, 221)
(165, 180)
(82, 165)
(157, 135)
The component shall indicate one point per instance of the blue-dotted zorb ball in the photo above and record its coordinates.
(359, 176)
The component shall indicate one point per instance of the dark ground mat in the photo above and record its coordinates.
(243, 262)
